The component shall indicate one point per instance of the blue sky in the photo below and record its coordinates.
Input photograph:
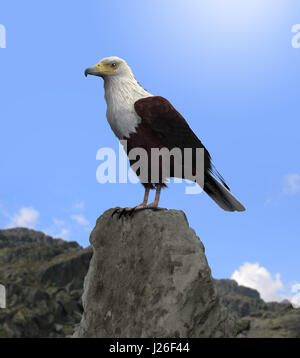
(229, 68)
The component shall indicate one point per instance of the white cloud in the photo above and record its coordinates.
(291, 183)
(58, 222)
(295, 299)
(58, 232)
(58, 229)
(64, 234)
(80, 219)
(26, 217)
(79, 205)
(255, 276)
(295, 288)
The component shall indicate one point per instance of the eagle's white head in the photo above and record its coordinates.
(121, 92)
(110, 67)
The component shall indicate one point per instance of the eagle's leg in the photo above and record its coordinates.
(145, 201)
(154, 205)
(130, 211)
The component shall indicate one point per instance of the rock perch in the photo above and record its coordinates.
(149, 277)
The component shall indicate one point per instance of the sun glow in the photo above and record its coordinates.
(238, 11)
(232, 14)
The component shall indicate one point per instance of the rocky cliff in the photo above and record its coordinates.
(256, 318)
(44, 280)
(149, 277)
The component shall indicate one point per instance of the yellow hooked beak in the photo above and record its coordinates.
(96, 70)
(102, 68)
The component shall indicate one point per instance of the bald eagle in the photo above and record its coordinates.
(147, 121)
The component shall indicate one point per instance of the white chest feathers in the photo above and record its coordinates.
(120, 96)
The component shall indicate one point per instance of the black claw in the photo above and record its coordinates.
(125, 212)
(121, 213)
(128, 213)
(115, 212)
(132, 211)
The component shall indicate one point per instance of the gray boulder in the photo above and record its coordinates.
(149, 277)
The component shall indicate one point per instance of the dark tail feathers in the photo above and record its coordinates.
(221, 195)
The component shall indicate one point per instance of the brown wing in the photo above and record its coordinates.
(169, 125)
(167, 122)
(171, 128)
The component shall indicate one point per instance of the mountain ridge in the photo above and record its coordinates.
(44, 283)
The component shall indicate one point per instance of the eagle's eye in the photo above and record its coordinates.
(113, 64)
